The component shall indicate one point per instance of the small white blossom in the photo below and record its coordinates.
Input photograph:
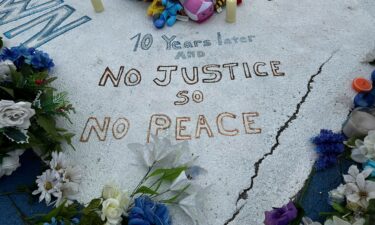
(58, 162)
(15, 114)
(5, 70)
(11, 162)
(64, 178)
(337, 195)
(365, 149)
(48, 186)
(339, 221)
(359, 190)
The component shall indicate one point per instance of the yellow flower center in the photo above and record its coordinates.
(48, 185)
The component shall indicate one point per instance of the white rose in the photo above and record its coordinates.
(10, 163)
(5, 69)
(112, 211)
(114, 192)
(15, 114)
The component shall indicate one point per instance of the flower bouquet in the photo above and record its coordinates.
(29, 106)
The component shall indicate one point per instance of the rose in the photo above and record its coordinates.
(146, 211)
(281, 216)
(15, 114)
(10, 163)
(5, 70)
(114, 192)
(112, 211)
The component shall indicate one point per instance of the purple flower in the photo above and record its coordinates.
(329, 146)
(281, 216)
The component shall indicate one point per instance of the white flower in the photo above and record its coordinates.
(365, 149)
(337, 195)
(338, 221)
(112, 211)
(153, 152)
(72, 174)
(10, 163)
(358, 190)
(15, 114)
(111, 191)
(68, 193)
(5, 70)
(193, 205)
(48, 186)
(308, 221)
(58, 162)
(353, 173)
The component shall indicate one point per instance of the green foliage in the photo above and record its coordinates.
(370, 214)
(168, 174)
(146, 190)
(34, 86)
(90, 215)
(64, 213)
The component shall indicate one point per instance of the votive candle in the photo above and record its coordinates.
(98, 5)
(231, 8)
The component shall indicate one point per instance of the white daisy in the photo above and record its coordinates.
(58, 162)
(48, 186)
(68, 193)
(72, 174)
(353, 173)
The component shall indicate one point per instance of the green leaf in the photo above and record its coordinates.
(48, 124)
(168, 174)
(339, 208)
(93, 206)
(17, 79)
(16, 135)
(146, 190)
(8, 91)
(174, 198)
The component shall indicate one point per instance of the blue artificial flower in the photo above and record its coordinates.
(55, 222)
(40, 60)
(329, 146)
(370, 164)
(20, 55)
(16, 54)
(148, 212)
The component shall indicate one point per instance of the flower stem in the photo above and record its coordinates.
(144, 179)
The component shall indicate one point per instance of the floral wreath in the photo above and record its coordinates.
(29, 107)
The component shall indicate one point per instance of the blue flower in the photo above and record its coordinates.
(148, 212)
(40, 60)
(329, 146)
(370, 164)
(55, 222)
(16, 54)
(20, 55)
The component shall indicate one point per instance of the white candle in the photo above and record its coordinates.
(98, 5)
(231, 8)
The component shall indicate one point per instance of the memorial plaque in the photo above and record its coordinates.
(246, 96)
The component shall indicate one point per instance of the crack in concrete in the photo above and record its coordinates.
(243, 195)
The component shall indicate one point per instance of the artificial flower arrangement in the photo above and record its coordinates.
(170, 180)
(353, 201)
(167, 12)
(29, 106)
